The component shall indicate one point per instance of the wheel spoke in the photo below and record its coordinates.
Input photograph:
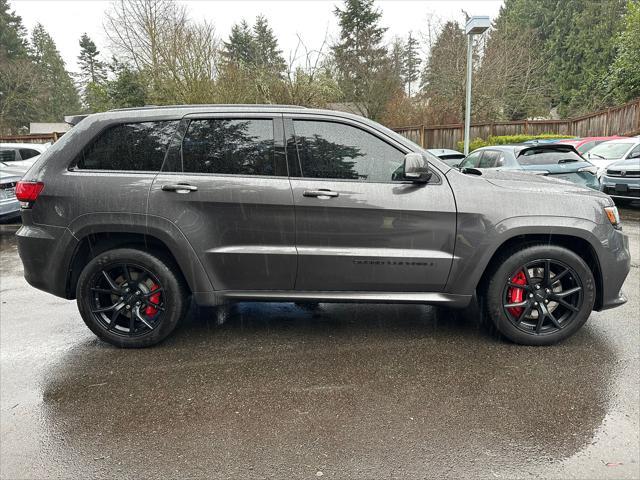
(127, 273)
(132, 324)
(517, 285)
(107, 309)
(525, 312)
(111, 283)
(143, 320)
(566, 293)
(515, 305)
(541, 317)
(153, 305)
(554, 320)
(525, 270)
(153, 292)
(105, 290)
(567, 305)
(114, 317)
(558, 277)
(547, 273)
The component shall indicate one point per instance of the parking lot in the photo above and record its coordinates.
(349, 391)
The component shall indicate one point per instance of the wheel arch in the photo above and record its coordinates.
(576, 244)
(100, 234)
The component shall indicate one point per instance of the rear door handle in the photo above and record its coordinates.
(321, 193)
(179, 187)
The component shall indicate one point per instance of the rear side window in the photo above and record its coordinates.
(7, 155)
(26, 153)
(542, 156)
(130, 146)
(338, 151)
(229, 146)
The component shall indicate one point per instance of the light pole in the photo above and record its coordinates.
(474, 26)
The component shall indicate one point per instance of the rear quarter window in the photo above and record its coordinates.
(129, 146)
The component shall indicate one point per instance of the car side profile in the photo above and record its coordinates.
(559, 161)
(133, 212)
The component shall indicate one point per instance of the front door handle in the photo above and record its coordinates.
(179, 187)
(321, 193)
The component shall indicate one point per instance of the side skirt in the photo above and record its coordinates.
(226, 296)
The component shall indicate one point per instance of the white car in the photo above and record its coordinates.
(9, 204)
(21, 155)
(613, 151)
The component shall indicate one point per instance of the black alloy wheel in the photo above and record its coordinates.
(542, 297)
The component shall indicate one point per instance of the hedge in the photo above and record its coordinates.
(506, 139)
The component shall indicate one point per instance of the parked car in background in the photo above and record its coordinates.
(21, 155)
(583, 145)
(621, 180)
(448, 156)
(558, 161)
(612, 151)
(9, 204)
(545, 141)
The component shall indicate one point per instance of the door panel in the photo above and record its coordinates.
(241, 226)
(374, 237)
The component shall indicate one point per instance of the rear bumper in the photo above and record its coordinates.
(45, 252)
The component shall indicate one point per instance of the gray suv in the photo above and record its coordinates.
(134, 212)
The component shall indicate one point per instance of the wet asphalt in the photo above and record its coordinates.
(349, 391)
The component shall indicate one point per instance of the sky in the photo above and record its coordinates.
(312, 20)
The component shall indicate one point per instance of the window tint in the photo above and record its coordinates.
(492, 159)
(635, 153)
(232, 146)
(472, 160)
(130, 146)
(335, 150)
(7, 155)
(28, 153)
(541, 156)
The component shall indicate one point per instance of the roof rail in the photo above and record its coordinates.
(196, 105)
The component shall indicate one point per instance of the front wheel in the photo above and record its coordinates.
(539, 294)
(131, 298)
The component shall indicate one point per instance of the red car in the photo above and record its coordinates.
(583, 145)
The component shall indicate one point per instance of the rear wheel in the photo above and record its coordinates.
(540, 294)
(131, 298)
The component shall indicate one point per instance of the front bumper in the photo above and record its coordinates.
(627, 188)
(615, 263)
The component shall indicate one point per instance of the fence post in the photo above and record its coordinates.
(422, 136)
(607, 123)
(526, 126)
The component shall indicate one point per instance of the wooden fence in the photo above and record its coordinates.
(622, 120)
(35, 138)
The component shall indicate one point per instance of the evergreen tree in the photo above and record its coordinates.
(127, 89)
(443, 78)
(411, 63)
(13, 43)
(361, 57)
(91, 68)
(265, 44)
(624, 81)
(240, 48)
(397, 56)
(61, 96)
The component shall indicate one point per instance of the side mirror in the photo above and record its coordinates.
(416, 168)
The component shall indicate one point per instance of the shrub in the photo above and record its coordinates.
(506, 139)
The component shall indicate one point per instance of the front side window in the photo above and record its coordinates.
(130, 146)
(472, 160)
(338, 151)
(229, 146)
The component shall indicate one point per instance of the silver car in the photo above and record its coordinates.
(622, 179)
(9, 204)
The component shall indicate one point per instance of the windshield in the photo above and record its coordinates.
(610, 150)
(542, 156)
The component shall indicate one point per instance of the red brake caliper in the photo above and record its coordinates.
(155, 298)
(517, 294)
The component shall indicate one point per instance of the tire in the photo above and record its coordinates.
(119, 282)
(544, 310)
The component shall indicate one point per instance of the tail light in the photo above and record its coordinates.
(28, 191)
